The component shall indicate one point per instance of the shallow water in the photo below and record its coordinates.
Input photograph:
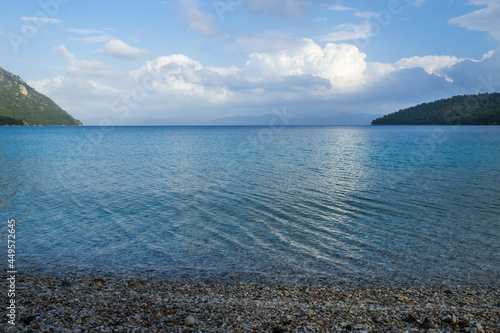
(280, 204)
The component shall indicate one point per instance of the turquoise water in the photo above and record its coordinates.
(291, 205)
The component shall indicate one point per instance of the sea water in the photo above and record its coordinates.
(281, 204)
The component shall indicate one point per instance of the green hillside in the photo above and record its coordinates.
(482, 109)
(8, 121)
(20, 102)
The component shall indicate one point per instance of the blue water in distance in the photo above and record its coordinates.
(289, 205)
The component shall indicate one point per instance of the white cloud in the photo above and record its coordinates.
(339, 7)
(85, 67)
(40, 20)
(1, 32)
(81, 97)
(431, 64)
(342, 64)
(197, 20)
(119, 49)
(44, 86)
(486, 19)
(345, 32)
(183, 80)
(436, 65)
(477, 76)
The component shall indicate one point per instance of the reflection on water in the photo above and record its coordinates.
(405, 203)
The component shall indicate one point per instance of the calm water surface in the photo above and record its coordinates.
(292, 205)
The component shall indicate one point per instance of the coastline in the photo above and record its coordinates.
(111, 303)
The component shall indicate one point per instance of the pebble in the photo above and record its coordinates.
(450, 320)
(127, 304)
(428, 323)
(189, 321)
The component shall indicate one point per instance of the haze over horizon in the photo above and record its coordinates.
(193, 61)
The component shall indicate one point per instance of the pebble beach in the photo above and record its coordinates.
(127, 304)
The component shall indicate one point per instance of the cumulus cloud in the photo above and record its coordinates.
(197, 20)
(342, 64)
(122, 50)
(85, 67)
(183, 80)
(175, 85)
(486, 19)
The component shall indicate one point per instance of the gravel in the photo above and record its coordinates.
(127, 304)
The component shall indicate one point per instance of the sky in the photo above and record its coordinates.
(194, 61)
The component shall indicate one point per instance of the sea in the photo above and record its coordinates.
(263, 204)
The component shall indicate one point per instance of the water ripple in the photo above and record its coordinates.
(340, 202)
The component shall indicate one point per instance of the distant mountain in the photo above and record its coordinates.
(20, 102)
(133, 121)
(481, 109)
(263, 120)
(270, 119)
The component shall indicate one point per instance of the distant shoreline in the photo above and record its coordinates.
(263, 126)
(434, 125)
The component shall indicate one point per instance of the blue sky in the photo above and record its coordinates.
(203, 60)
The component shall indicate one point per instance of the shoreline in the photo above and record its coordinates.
(112, 303)
(195, 275)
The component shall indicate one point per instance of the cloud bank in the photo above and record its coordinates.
(317, 76)
(322, 79)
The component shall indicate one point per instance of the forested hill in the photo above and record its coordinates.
(482, 109)
(21, 104)
(8, 121)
